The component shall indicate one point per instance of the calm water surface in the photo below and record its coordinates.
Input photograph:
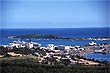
(99, 56)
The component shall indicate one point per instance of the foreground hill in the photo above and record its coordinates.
(31, 66)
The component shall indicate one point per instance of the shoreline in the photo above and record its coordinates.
(89, 39)
(21, 48)
(56, 37)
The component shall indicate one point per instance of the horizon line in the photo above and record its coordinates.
(55, 28)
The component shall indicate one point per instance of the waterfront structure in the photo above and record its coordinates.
(22, 44)
(14, 45)
(29, 45)
(57, 52)
(35, 45)
(17, 44)
(50, 46)
(92, 43)
(63, 47)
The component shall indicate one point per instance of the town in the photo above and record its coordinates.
(51, 54)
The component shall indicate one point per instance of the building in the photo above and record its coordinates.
(17, 45)
(35, 45)
(63, 47)
(50, 46)
(29, 45)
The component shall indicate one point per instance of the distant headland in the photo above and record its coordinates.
(52, 36)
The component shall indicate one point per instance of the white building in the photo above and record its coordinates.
(67, 47)
(50, 46)
(35, 45)
(29, 45)
(80, 49)
(22, 44)
(17, 44)
(32, 44)
(14, 45)
(63, 47)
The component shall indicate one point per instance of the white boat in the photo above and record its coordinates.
(92, 43)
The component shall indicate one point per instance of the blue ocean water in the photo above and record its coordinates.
(64, 32)
(99, 56)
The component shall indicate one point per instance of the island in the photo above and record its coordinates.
(52, 36)
(48, 36)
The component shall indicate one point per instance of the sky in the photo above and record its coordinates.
(54, 13)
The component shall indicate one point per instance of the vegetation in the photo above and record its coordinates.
(3, 50)
(31, 66)
(48, 36)
(25, 51)
(52, 36)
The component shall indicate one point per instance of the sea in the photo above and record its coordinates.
(99, 56)
(63, 32)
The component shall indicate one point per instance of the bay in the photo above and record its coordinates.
(99, 56)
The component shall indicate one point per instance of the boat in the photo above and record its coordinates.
(92, 43)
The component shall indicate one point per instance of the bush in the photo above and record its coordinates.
(30, 66)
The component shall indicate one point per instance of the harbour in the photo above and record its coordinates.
(54, 36)
(86, 49)
(59, 50)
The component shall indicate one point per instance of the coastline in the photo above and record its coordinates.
(61, 37)
(56, 37)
